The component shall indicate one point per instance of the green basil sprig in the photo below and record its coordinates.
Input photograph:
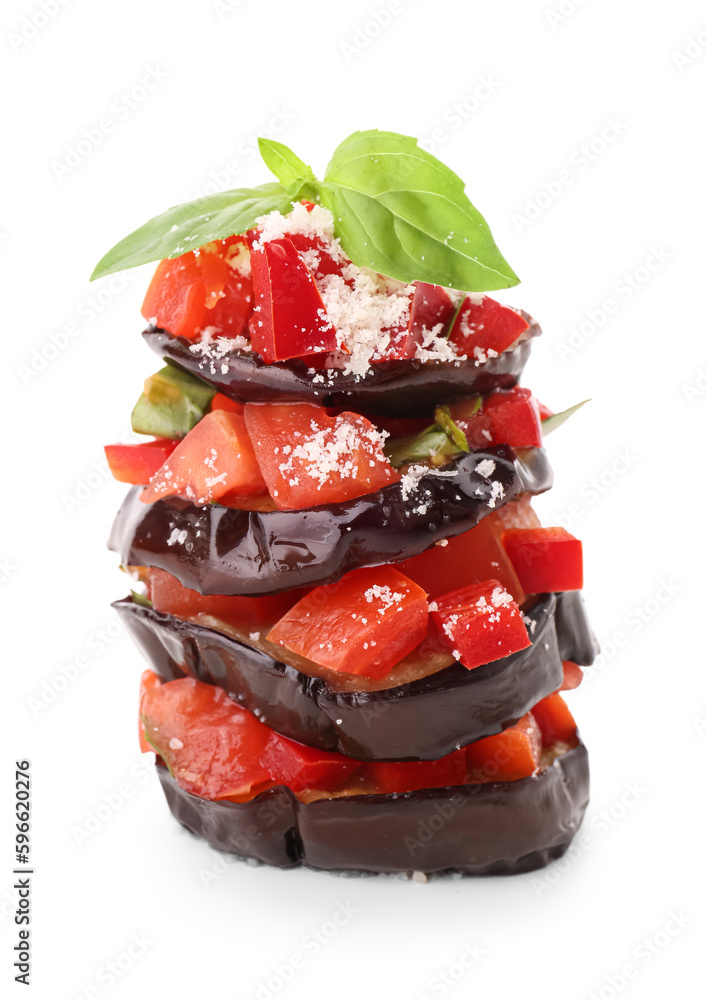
(396, 209)
(550, 424)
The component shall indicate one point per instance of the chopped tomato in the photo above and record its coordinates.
(430, 307)
(508, 756)
(410, 775)
(472, 557)
(544, 411)
(148, 681)
(290, 320)
(137, 463)
(573, 675)
(302, 768)
(215, 461)
(169, 596)
(545, 559)
(212, 746)
(480, 623)
(363, 624)
(555, 720)
(199, 289)
(221, 402)
(505, 416)
(308, 458)
(485, 326)
(320, 257)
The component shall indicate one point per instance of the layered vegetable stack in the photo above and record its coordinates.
(358, 630)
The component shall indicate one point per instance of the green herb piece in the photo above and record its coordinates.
(550, 424)
(400, 211)
(141, 600)
(191, 225)
(172, 403)
(293, 174)
(396, 208)
(442, 416)
(434, 445)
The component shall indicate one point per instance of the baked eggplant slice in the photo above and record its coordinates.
(496, 828)
(223, 550)
(420, 720)
(403, 388)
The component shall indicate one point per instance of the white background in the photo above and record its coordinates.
(621, 220)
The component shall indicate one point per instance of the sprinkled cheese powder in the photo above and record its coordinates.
(327, 451)
(410, 480)
(384, 595)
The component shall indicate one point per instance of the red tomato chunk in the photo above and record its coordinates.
(511, 755)
(170, 597)
(573, 675)
(545, 559)
(480, 623)
(205, 288)
(363, 624)
(555, 720)
(137, 463)
(215, 461)
(308, 458)
(485, 326)
(502, 417)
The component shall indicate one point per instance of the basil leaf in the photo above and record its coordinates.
(141, 600)
(400, 211)
(550, 424)
(284, 164)
(432, 445)
(188, 226)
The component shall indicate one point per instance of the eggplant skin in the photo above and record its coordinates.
(499, 828)
(422, 720)
(403, 388)
(224, 550)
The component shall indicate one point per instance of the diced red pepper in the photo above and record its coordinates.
(308, 458)
(545, 559)
(302, 768)
(290, 320)
(363, 624)
(221, 402)
(472, 557)
(509, 756)
(410, 775)
(215, 461)
(485, 326)
(573, 675)
(480, 623)
(544, 411)
(212, 746)
(505, 416)
(201, 289)
(148, 681)
(555, 720)
(137, 463)
(321, 257)
(170, 597)
(430, 307)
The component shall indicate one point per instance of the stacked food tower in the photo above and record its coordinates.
(357, 630)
